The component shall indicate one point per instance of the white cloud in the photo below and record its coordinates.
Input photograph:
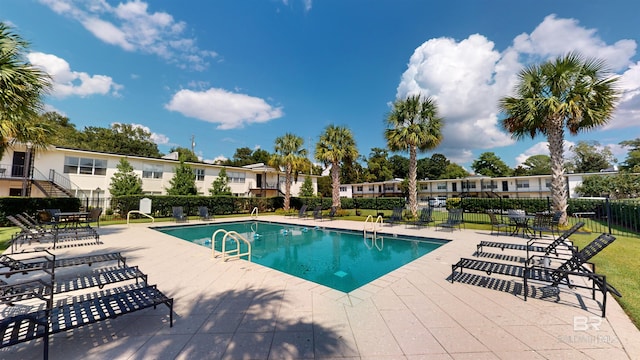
(131, 26)
(307, 4)
(555, 37)
(217, 160)
(72, 83)
(227, 109)
(542, 148)
(468, 77)
(159, 139)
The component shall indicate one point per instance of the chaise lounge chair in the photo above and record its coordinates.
(302, 214)
(203, 211)
(425, 217)
(10, 265)
(531, 246)
(396, 216)
(454, 219)
(178, 214)
(574, 266)
(317, 213)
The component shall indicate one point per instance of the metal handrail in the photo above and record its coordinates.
(254, 213)
(234, 253)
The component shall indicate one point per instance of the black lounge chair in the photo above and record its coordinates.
(454, 220)
(303, 212)
(317, 213)
(178, 214)
(531, 246)
(203, 211)
(425, 217)
(497, 225)
(396, 216)
(332, 212)
(574, 266)
(47, 262)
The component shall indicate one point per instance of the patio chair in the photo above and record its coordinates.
(541, 222)
(425, 217)
(332, 212)
(94, 216)
(454, 219)
(396, 216)
(497, 225)
(178, 214)
(574, 266)
(317, 213)
(548, 249)
(203, 211)
(303, 212)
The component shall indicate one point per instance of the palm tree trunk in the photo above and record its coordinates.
(287, 188)
(413, 169)
(555, 136)
(335, 184)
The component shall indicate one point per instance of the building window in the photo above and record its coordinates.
(489, 186)
(424, 186)
(371, 188)
(152, 171)
(389, 188)
(359, 188)
(547, 183)
(343, 189)
(87, 166)
(199, 174)
(466, 186)
(238, 177)
(442, 186)
(522, 184)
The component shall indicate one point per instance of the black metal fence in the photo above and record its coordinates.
(601, 215)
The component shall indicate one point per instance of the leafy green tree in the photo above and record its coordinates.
(63, 131)
(185, 154)
(22, 87)
(125, 181)
(454, 171)
(307, 187)
(489, 164)
(335, 145)
(183, 181)
(569, 92)
(120, 139)
(589, 157)
(595, 185)
(291, 155)
(220, 185)
(260, 156)
(324, 186)
(399, 166)
(626, 186)
(633, 156)
(413, 125)
(378, 166)
(435, 167)
(351, 171)
(537, 165)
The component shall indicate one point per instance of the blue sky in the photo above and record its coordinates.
(241, 73)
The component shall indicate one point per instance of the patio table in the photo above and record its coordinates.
(521, 224)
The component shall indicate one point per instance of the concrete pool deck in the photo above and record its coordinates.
(242, 310)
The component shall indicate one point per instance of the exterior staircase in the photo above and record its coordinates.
(51, 189)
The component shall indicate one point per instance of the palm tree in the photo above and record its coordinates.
(21, 89)
(289, 154)
(569, 92)
(335, 145)
(414, 125)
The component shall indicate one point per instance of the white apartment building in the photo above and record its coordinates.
(59, 171)
(537, 186)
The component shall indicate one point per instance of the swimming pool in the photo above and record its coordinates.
(339, 259)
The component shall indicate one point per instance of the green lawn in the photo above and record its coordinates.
(619, 261)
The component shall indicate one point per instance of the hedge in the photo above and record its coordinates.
(17, 205)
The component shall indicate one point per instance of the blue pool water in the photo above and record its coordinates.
(338, 259)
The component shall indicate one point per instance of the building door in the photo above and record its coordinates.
(454, 187)
(259, 181)
(505, 186)
(17, 169)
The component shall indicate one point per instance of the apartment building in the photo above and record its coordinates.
(536, 186)
(59, 171)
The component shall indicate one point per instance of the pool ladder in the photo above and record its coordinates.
(254, 213)
(373, 225)
(233, 253)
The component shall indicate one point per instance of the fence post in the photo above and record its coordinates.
(607, 205)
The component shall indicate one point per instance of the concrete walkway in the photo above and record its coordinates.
(241, 310)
